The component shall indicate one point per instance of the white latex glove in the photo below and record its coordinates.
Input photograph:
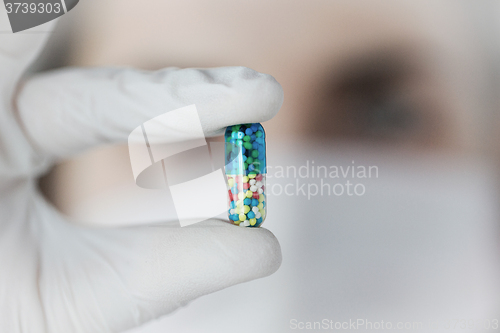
(58, 277)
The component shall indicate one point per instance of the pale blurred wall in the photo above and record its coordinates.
(429, 57)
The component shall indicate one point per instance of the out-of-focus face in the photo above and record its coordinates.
(406, 73)
(395, 75)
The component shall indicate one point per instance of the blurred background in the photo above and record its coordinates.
(409, 87)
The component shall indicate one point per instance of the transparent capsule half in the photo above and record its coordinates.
(245, 166)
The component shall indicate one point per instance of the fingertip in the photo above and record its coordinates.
(271, 96)
(257, 248)
(226, 253)
(249, 97)
(167, 266)
(272, 262)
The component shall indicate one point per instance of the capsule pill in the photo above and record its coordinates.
(245, 167)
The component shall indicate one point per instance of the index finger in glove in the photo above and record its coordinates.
(68, 111)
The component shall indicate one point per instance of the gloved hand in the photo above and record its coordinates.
(59, 277)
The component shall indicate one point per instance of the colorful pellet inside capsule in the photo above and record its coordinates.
(245, 167)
